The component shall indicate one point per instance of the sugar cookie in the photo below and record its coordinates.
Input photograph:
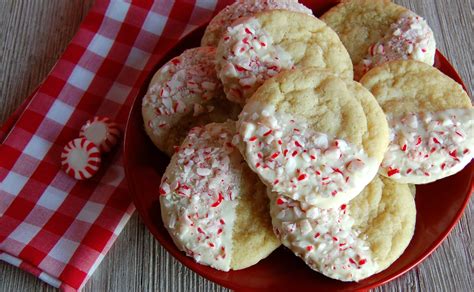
(431, 121)
(213, 205)
(313, 136)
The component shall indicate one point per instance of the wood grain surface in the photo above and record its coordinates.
(33, 34)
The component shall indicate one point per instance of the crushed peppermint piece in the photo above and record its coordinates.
(301, 163)
(248, 59)
(409, 37)
(427, 146)
(325, 238)
(199, 193)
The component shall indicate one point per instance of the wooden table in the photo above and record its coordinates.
(33, 34)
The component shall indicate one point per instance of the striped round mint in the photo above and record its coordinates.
(80, 158)
(102, 132)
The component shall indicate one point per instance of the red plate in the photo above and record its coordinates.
(439, 206)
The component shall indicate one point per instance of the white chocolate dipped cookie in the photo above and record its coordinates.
(241, 8)
(353, 241)
(184, 93)
(431, 121)
(377, 31)
(256, 48)
(214, 207)
(313, 136)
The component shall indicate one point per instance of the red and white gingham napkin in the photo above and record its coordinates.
(51, 225)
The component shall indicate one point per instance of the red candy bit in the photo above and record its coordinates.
(102, 132)
(372, 50)
(175, 61)
(362, 261)
(317, 235)
(392, 171)
(239, 68)
(280, 201)
(268, 133)
(418, 141)
(309, 248)
(275, 155)
(222, 221)
(218, 201)
(275, 182)
(80, 159)
(404, 147)
(252, 139)
(453, 153)
(302, 176)
(337, 170)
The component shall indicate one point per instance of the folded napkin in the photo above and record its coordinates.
(51, 225)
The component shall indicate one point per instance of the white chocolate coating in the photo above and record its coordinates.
(249, 58)
(324, 238)
(243, 8)
(298, 162)
(428, 146)
(182, 83)
(198, 195)
(408, 38)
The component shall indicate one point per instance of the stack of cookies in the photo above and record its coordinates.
(273, 142)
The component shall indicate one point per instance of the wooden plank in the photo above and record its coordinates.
(33, 36)
(34, 33)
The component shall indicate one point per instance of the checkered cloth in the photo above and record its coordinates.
(51, 225)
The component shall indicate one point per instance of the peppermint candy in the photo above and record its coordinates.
(102, 132)
(80, 158)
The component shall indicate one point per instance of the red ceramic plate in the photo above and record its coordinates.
(439, 206)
